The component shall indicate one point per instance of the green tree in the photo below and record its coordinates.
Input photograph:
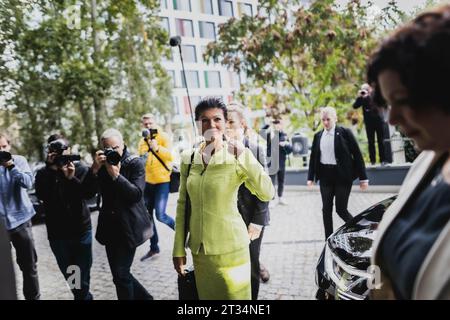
(302, 58)
(81, 67)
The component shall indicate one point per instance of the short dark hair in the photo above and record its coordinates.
(420, 53)
(210, 103)
(55, 136)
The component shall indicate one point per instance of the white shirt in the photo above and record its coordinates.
(327, 155)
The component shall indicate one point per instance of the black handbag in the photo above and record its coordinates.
(174, 184)
(187, 289)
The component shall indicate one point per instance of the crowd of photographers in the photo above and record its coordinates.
(132, 187)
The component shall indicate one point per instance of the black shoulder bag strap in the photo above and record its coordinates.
(187, 206)
(156, 156)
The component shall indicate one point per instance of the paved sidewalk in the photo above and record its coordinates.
(291, 246)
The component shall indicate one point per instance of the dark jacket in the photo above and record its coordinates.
(250, 207)
(67, 215)
(350, 163)
(123, 216)
(371, 111)
(282, 151)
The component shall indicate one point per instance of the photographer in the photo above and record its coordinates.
(373, 121)
(63, 187)
(16, 211)
(154, 147)
(123, 222)
(277, 156)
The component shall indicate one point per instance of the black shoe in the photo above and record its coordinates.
(149, 255)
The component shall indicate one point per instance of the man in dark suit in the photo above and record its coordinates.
(123, 222)
(335, 161)
(374, 123)
(255, 212)
(278, 149)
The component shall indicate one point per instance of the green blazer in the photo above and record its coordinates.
(215, 221)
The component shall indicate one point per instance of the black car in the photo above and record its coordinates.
(342, 269)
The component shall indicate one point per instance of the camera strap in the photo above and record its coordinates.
(187, 206)
(156, 156)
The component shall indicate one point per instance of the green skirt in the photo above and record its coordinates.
(223, 276)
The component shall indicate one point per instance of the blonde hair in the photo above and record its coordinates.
(147, 116)
(329, 111)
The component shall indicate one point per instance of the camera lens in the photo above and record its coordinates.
(5, 156)
(112, 156)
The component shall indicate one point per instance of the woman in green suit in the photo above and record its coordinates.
(218, 237)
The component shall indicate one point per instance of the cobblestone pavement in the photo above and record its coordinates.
(291, 246)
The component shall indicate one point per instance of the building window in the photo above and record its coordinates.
(171, 74)
(226, 8)
(194, 101)
(191, 78)
(189, 54)
(212, 79)
(207, 30)
(245, 8)
(163, 4)
(176, 105)
(235, 80)
(165, 24)
(182, 5)
(206, 6)
(185, 28)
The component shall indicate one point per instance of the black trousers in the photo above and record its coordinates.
(330, 188)
(375, 127)
(120, 259)
(22, 240)
(255, 250)
(280, 177)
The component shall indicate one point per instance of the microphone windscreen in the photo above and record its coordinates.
(175, 41)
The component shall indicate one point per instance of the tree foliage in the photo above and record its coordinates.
(302, 58)
(79, 67)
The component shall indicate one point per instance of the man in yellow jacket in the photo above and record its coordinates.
(156, 145)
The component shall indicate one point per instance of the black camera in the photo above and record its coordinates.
(5, 156)
(112, 156)
(150, 133)
(63, 160)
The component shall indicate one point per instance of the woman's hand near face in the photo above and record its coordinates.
(235, 147)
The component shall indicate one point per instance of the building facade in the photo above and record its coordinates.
(197, 23)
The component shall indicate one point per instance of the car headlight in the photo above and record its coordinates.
(344, 276)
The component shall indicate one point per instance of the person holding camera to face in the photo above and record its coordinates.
(373, 121)
(64, 186)
(155, 149)
(16, 211)
(123, 222)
